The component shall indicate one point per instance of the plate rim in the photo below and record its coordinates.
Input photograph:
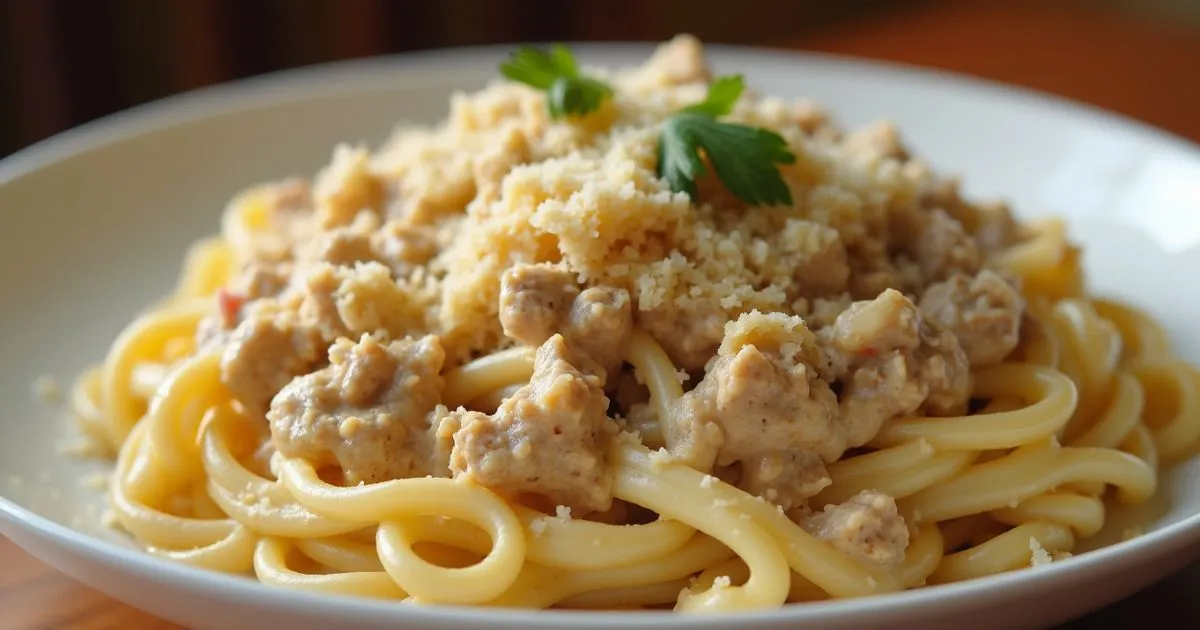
(189, 106)
(303, 83)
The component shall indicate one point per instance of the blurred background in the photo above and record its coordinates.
(64, 62)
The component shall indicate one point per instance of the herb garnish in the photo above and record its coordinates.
(745, 158)
(555, 72)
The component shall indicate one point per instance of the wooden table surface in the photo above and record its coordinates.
(1141, 69)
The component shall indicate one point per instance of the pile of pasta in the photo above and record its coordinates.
(796, 220)
(1092, 399)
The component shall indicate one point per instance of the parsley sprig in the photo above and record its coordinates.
(555, 72)
(745, 158)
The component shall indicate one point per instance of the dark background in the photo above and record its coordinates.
(64, 62)
(68, 61)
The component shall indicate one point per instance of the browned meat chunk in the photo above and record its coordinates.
(943, 247)
(266, 351)
(550, 438)
(890, 362)
(867, 528)
(785, 478)
(992, 224)
(285, 336)
(763, 405)
(688, 336)
(257, 280)
(368, 412)
(537, 301)
(534, 301)
(983, 312)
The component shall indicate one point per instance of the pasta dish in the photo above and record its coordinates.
(630, 338)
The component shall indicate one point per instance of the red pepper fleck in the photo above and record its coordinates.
(869, 352)
(230, 305)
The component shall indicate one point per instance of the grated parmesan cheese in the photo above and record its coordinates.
(1040, 555)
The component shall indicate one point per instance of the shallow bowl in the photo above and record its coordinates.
(93, 224)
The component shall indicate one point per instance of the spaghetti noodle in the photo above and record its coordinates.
(1089, 399)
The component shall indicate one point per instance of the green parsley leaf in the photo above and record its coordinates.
(555, 72)
(564, 59)
(577, 95)
(722, 94)
(745, 158)
(533, 67)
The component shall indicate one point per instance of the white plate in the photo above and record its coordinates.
(93, 224)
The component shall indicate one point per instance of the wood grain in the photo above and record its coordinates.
(1141, 69)
(35, 597)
